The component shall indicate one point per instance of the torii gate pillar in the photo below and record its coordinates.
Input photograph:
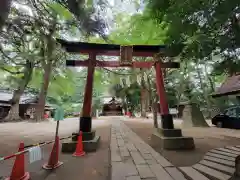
(90, 140)
(169, 137)
(85, 118)
(167, 120)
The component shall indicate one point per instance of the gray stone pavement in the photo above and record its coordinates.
(133, 159)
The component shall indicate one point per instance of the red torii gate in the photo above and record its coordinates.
(115, 50)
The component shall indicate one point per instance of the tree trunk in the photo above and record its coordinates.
(209, 79)
(155, 114)
(143, 95)
(149, 94)
(13, 114)
(144, 103)
(153, 102)
(4, 11)
(208, 103)
(47, 64)
(39, 115)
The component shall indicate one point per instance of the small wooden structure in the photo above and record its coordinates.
(231, 86)
(27, 105)
(112, 108)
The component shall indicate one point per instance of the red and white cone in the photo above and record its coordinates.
(79, 149)
(18, 171)
(53, 161)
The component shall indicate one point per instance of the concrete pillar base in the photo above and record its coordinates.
(92, 145)
(172, 139)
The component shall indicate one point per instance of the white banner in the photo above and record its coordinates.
(35, 154)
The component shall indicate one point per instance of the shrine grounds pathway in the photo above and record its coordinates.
(125, 152)
(93, 166)
(133, 159)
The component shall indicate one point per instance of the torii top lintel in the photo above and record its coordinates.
(110, 49)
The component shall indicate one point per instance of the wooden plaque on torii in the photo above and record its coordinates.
(126, 55)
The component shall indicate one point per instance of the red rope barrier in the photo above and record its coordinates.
(33, 145)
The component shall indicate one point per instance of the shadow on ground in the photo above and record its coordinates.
(203, 144)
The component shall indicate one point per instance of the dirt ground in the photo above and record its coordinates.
(205, 139)
(93, 166)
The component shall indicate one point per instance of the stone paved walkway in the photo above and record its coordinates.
(133, 159)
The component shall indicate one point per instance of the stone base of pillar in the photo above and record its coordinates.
(90, 140)
(170, 138)
(92, 145)
(174, 140)
(170, 132)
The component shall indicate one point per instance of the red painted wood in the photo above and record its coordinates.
(115, 64)
(87, 103)
(161, 89)
(117, 53)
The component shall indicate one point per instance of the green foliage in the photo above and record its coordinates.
(204, 35)
(134, 30)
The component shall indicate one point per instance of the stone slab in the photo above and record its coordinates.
(221, 161)
(220, 156)
(115, 157)
(160, 173)
(133, 178)
(224, 153)
(137, 158)
(118, 171)
(147, 156)
(131, 147)
(233, 148)
(211, 172)
(194, 174)
(128, 169)
(160, 159)
(175, 173)
(217, 166)
(124, 152)
(144, 171)
(69, 146)
(120, 142)
(151, 161)
(228, 150)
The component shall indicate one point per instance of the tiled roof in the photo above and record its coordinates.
(229, 87)
(25, 98)
(107, 100)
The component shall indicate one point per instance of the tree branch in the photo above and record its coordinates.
(11, 72)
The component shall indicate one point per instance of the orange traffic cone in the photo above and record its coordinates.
(18, 171)
(53, 161)
(79, 149)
